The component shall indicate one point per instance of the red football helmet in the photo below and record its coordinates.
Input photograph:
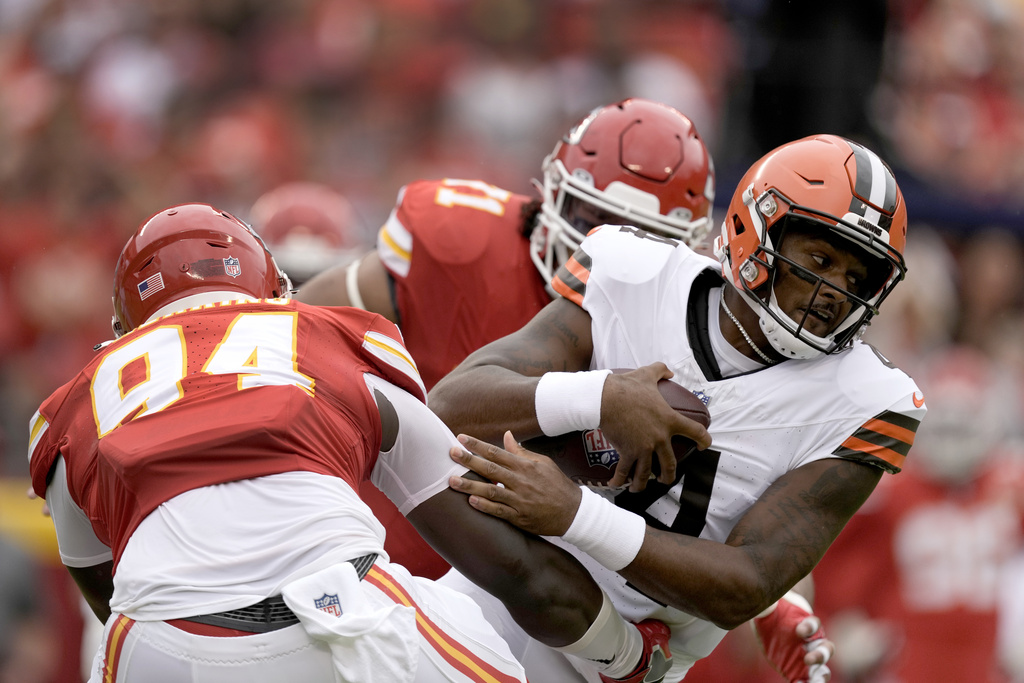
(637, 163)
(308, 227)
(187, 250)
(826, 182)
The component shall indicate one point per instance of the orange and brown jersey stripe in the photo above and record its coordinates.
(883, 441)
(571, 278)
(457, 655)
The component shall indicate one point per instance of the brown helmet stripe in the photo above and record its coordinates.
(875, 183)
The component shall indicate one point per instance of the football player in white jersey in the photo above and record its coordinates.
(805, 417)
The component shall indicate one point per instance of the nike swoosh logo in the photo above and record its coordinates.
(918, 402)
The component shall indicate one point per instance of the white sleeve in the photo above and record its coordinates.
(76, 539)
(417, 466)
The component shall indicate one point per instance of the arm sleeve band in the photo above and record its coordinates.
(569, 401)
(606, 532)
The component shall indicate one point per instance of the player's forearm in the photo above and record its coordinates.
(97, 586)
(548, 592)
(556, 600)
(720, 583)
(485, 400)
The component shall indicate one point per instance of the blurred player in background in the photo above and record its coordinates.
(202, 471)
(1011, 617)
(460, 263)
(805, 418)
(910, 589)
(308, 227)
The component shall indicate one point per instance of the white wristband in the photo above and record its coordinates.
(606, 532)
(569, 401)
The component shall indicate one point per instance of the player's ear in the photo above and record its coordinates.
(388, 421)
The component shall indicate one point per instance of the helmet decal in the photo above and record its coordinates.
(874, 191)
(232, 266)
(150, 286)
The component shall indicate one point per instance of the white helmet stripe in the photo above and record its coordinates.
(874, 181)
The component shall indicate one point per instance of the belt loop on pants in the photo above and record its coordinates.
(269, 614)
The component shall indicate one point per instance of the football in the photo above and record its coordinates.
(588, 458)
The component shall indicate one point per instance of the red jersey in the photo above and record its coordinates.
(214, 394)
(458, 252)
(935, 556)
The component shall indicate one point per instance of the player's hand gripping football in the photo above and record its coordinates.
(636, 420)
(794, 641)
(534, 494)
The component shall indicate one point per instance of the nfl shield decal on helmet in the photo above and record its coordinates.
(329, 604)
(232, 266)
(599, 449)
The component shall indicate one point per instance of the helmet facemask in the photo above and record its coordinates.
(762, 272)
(572, 206)
(636, 162)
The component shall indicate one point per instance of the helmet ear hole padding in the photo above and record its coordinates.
(738, 225)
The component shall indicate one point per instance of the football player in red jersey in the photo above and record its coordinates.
(805, 418)
(202, 471)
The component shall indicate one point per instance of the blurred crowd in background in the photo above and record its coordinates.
(113, 109)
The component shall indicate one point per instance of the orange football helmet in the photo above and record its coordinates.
(836, 185)
(636, 162)
(187, 250)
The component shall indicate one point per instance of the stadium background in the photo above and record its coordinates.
(111, 109)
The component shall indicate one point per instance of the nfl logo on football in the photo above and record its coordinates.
(599, 449)
(329, 604)
(232, 266)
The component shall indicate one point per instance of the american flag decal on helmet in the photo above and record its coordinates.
(874, 188)
(150, 286)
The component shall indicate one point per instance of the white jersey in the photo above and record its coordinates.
(648, 297)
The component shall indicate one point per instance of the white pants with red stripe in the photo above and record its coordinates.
(447, 639)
